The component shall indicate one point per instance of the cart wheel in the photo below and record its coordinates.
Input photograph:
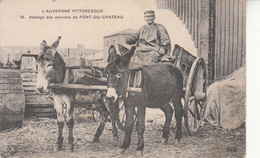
(122, 115)
(96, 115)
(195, 96)
(77, 112)
(75, 115)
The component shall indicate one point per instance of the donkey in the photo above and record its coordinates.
(52, 70)
(160, 83)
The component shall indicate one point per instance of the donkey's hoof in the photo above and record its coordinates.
(71, 147)
(121, 151)
(178, 141)
(95, 140)
(57, 148)
(164, 141)
(139, 153)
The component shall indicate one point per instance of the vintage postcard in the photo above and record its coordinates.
(99, 78)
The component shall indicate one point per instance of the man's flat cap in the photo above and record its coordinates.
(149, 12)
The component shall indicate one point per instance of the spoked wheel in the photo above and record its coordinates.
(122, 115)
(77, 112)
(96, 115)
(195, 96)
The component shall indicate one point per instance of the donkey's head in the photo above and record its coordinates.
(51, 66)
(117, 71)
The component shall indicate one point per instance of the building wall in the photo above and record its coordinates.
(95, 56)
(113, 40)
(230, 43)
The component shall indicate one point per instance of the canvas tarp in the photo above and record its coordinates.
(226, 101)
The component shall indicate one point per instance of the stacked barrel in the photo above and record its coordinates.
(12, 100)
(37, 105)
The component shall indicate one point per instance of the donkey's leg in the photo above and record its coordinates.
(178, 116)
(168, 111)
(114, 129)
(128, 128)
(114, 111)
(100, 106)
(70, 120)
(60, 138)
(140, 127)
(60, 120)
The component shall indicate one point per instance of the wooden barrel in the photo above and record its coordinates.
(12, 99)
(37, 105)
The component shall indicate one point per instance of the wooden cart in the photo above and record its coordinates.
(98, 85)
(195, 87)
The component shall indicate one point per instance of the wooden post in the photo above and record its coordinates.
(204, 31)
(207, 36)
(211, 48)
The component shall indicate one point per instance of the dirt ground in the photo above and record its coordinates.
(37, 138)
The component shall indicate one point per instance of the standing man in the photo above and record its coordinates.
(152, 41)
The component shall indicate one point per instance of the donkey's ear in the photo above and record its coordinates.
(122, 49)
(43, 44)
(127, 56)
(56, 43)
(111, 53)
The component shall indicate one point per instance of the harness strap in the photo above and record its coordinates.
(128, 84)
(66, 78)
(134, 82)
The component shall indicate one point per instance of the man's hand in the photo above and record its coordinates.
(161, 51)
(131, 39)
